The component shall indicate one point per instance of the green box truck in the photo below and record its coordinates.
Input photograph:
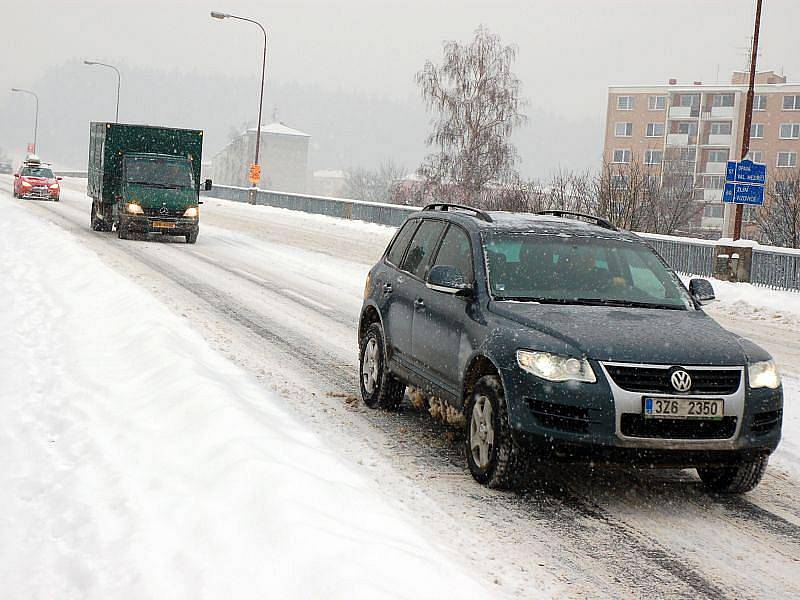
(145, 179)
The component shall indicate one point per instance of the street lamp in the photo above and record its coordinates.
(253, 180)
(119, 79)
(36, 117)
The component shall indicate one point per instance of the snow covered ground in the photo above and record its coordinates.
(135, 462)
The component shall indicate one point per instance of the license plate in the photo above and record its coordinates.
(164, 224)
(683, 408)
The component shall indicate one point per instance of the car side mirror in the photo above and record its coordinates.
(59, 178)
(449, 280)
(16, 175)
(207, 185)
(702, 290)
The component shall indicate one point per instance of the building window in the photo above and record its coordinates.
(787, 159)
(657, 102)
(713, 211)
(756, 130)
(655, 130)
(652, 157)
(760, 102)
(757, 156)
(688, 154)
(624, 102)
(723, 128)
(791, 103)
(622, 156)
(790, 131)
(714, 182)
(619, 181)
(722, 100)
(718, 156)
(690, 128)
(623, 130)
(785, 188)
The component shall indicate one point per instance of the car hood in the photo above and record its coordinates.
(639, 335)
(37, 180)
(155, 197)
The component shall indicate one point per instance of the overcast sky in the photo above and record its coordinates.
(569, 50)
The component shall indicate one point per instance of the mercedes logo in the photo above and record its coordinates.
(681, 380)
(163, 210)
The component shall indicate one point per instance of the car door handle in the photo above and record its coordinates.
(419, 304)
(387, 288)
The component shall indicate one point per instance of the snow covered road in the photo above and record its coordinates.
(278, 293)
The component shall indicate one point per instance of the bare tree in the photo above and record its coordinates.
(778, 220)
(373, 185)
(478, 100)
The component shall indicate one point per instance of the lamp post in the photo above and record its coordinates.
(36, 117)
(256, 172)
(119, 80)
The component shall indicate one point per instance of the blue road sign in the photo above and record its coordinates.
(746, 171)
(743, 193)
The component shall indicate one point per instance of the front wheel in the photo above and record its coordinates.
(191, 238)
(379, 387)
(738, 479)
(494, 458)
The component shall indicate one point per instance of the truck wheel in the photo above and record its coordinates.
(494, 458)
(737, 479)
(122, 231)
(192, 237)
(95, 223)
(379, 388)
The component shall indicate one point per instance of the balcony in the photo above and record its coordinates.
(677, 139)
(681, 112)
(716, 168)
(719, 139)
(711, 195)
(719, 112)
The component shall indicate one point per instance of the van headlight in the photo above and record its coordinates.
(192, 211)
(763, 374)
(554, 367)
(133, 209)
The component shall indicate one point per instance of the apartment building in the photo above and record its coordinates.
(687, 133)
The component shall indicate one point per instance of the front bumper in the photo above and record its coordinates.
(593, 421)
(39, 193)
(165, 225)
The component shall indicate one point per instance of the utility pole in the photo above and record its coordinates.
(36, 115)
(748, 116)
(119, 79)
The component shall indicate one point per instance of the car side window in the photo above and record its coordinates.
(456, 251)
(395, 254)
(422, 244)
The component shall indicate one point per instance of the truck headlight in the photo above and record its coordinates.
(763, 374)
(192, 211)
(554, 367)
(133, 209)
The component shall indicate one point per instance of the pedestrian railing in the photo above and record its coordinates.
(684, 256)
(774, 268)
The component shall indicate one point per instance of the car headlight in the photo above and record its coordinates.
(53, 186)
(763, 374)
(192, 211)
(133, 209)
(554, 367)
(26, 184)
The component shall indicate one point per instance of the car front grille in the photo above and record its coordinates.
(156, 213)
(656, 380)
(634, 425)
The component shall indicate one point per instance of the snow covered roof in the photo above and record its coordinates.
(280, 129)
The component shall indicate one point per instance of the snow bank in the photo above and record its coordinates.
(135, 462)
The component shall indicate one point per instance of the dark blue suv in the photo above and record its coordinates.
(559, 337)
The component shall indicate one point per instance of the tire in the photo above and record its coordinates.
(122, 231)
(192, 237)
(737, 479)
(379, 387)
(493, 457)
(96, 223)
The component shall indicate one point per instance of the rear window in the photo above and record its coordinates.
(423, 243)
(400, 243)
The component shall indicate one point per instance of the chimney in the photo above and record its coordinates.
(673, 82)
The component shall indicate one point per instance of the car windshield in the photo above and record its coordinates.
(565, 269)
(37, 172)
(159, 172)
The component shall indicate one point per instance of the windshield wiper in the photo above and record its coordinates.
(626, 303)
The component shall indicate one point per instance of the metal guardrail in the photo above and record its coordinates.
(689, 258)
(780, 270)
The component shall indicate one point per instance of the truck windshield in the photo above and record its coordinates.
(158, 172)
(564, 269)
(37, 172)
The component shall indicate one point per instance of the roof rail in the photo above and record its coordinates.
(568, 213)
(445, 206)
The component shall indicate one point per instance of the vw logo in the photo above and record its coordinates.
(163, 210)
(681, 380)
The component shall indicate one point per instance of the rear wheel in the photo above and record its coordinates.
(494, 458)
(95, 222)
(736, 479)
(379, 387)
